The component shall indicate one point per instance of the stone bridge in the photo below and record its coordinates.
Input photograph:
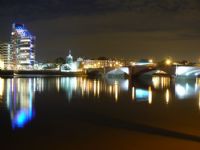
(189, 71)
(184, 71)
(137, 71)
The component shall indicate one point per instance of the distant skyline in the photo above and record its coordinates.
(112, 28)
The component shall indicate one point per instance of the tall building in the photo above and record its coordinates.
(23, 47)
(5, 56)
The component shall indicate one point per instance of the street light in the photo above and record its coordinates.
(168, 61)
(150, 60)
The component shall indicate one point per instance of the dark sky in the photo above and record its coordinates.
(113, 28)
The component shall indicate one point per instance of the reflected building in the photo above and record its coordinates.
(18, 95)
(69, 85)
(82, 86)
(96, 87)
(162, 87)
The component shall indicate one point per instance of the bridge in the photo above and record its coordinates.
(137, 71)
(188, 71)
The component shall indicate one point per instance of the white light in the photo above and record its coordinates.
(25, 40)
(24, 48)
(150, 95)
(125, 69)
(181, 70)
(124, 85)
(133, 93)
(151, 60)
(1, 86)
(180, 91)
(167, 96)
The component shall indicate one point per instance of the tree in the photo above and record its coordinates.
(102, 58)
(59, 60)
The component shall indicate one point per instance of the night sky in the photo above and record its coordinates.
(113, 28)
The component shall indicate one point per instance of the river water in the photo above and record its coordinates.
(82, 113)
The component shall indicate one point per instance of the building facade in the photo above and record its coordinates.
(95, 63)
(6, 56)
(23, 48)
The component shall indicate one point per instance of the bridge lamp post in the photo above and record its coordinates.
(150, 60)
(168, 62)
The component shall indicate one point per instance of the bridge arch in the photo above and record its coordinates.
(118, 72)
(153, 70)
(188, 71)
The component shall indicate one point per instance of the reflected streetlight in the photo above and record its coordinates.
(167, 96)
(133, 93)
(150, 95)
(116, 90)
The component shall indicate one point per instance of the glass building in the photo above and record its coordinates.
(5, 56)
(23, 48)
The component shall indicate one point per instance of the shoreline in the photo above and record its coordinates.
(39, 73)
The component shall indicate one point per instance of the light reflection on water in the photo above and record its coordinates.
(161, 82)
(18, 94)
(19, 97)
(185, 89)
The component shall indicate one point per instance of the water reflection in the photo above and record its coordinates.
(1, 89)
(150, 95)
(69, 85)
(185, 89)
(18, 94)
(199, 100)
(142, 94)
(93, 87)
(166, 88)
(160, 82)
(167, 96)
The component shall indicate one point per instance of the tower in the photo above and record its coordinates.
(23, 47)
(69, 58)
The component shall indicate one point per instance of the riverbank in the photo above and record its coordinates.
(36, 73)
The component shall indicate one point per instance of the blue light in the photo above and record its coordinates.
(22, 31)
(142, 95)
(22, 118)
